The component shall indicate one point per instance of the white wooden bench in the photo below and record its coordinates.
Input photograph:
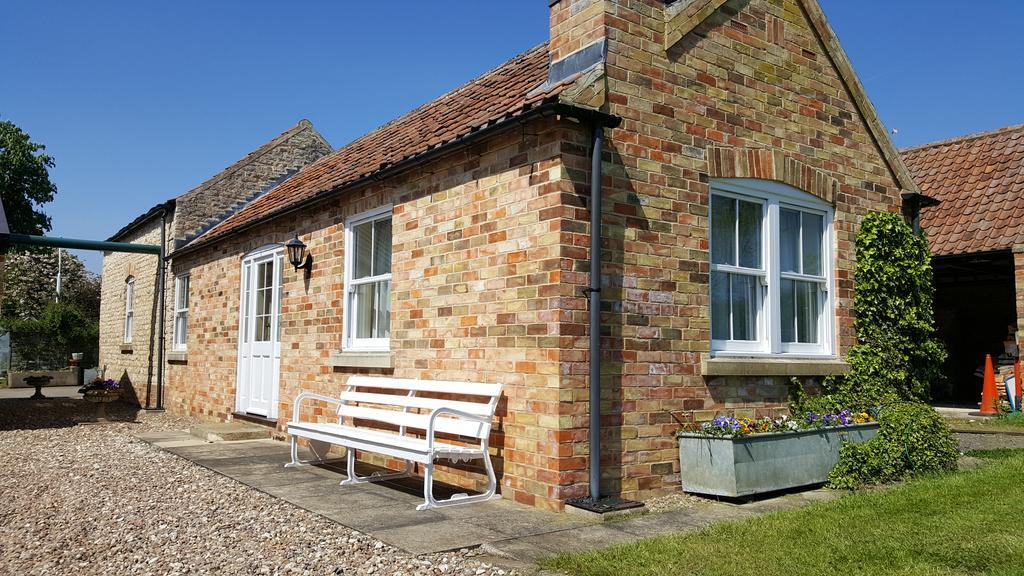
(371, 407)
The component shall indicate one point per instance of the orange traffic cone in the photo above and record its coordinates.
(989, 397)
(1017, 382)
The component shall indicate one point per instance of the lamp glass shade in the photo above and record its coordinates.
(296, 251)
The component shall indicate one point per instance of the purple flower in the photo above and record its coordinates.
(846, 417)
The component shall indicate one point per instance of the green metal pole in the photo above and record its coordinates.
(75, 243)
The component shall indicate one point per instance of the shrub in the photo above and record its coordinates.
(912, 440)
(48, 341)
(897, 353)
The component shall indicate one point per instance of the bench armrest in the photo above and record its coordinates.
(486, 420)
(303, 395)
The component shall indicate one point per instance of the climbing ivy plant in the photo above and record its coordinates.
(897, 355)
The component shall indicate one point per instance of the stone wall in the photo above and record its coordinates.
(195, 211)
(135, 364)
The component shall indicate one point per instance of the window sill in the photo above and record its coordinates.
(180, 356)
(771, 366)
(352, 359)
(126, 349)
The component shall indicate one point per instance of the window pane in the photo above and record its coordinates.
(719, 306)
(788, 310)
(265, 327)
(813, 229)
(266, 274)
(267, 303)
(744, 307)
(723, 230)
(362, 237)
(750, 234)
(383, 310)
(382, 247)
(789, 240)
(246, 300)
(180, 330)
(806, 312)
(362, 308)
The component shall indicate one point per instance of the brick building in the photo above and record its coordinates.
(976, 236)
(128, 302)
(740, 155)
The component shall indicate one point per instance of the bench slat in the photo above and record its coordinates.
(416, 402)
(405, 444)
(413, 420)
(438, 386)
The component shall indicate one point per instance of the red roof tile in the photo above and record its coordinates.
(497, 95)
(980, 180)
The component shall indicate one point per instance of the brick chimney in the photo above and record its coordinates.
(575, 24)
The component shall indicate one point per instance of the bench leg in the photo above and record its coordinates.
(354, 478)
(456, 499)
(295, 455)
(318, 448)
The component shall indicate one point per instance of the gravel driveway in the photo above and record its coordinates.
(87, 499)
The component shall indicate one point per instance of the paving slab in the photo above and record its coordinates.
(385, 510)
(229, 431)
(440, 536)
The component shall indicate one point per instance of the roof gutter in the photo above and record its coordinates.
(155, 211)
(544, 110)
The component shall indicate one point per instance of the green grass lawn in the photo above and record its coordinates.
(968, 522)
(1002, 423)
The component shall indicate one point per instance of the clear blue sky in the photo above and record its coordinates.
(140, 101)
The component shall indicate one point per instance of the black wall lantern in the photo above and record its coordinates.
(297, 255)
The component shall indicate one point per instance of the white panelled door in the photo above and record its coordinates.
(259, 342)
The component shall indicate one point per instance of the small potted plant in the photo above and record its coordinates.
(101, 392)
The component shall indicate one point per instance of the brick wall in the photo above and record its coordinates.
(490, 248)
(750, 92)
(477, 264)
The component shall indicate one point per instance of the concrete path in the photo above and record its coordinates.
(527, 551)
(516, 535)
(48, 391)
(385, 510)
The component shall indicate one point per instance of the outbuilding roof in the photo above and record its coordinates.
(246, 160)
(979, 179)
(503, 93)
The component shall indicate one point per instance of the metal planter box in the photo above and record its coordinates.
(758, 463)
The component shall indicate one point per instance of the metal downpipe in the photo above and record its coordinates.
(594, 291)
(162, 289)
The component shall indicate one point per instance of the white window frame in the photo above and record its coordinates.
(349, 342)
(181, 283)
(774, 196)
(129, 309)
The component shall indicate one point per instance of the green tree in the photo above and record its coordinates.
(24, 180)
(29, 281)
